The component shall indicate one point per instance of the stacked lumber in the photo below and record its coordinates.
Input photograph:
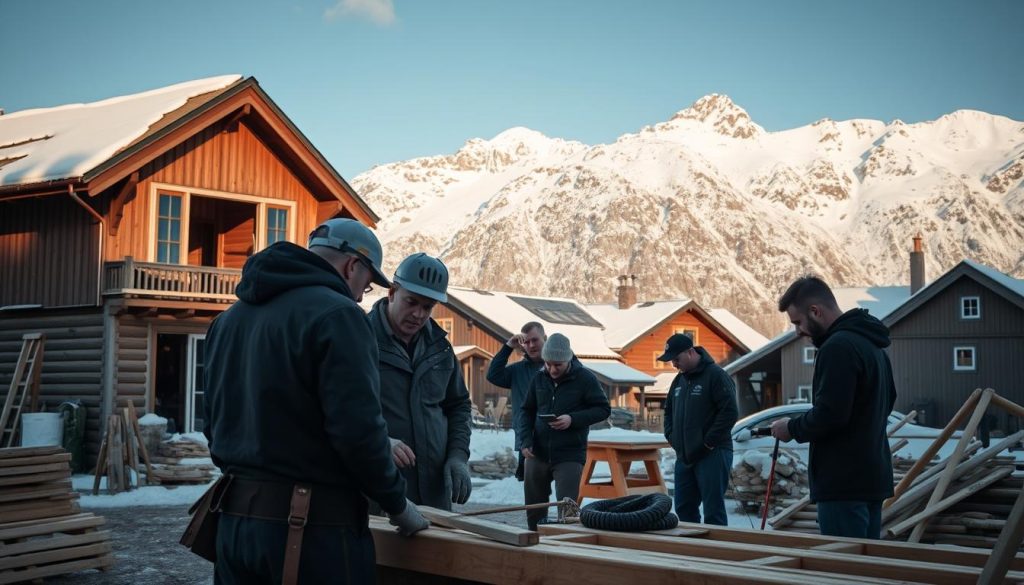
(120, 452)
(44, 532)
(181, 461)
(750, 479)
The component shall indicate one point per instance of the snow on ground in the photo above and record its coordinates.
(143, 496)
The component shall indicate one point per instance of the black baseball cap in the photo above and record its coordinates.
(675, 345)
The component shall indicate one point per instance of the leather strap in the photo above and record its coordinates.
(298, 514)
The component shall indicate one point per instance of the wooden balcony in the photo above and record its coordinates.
(170, 281)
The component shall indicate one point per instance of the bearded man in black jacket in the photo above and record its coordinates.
(853, 390)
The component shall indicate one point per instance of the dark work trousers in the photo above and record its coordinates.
(705, 483)
(856, 519)
(537, 485)
(250, 551)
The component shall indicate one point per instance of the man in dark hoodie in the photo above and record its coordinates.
(293, 404)
(518, 376)
(699, 414)
(853, 391)
(425, 401)
(563, 401)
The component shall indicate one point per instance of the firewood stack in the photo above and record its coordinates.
(182, 461)
(44, 532)
(750, 479)
(495, 466)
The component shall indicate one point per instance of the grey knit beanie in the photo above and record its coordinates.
(556, 349)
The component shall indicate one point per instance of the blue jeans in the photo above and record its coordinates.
(850, 518)
(704, 482)
(250, 551)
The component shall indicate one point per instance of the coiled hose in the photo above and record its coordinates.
(630, 514)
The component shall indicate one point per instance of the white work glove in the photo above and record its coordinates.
(410, 521)
(456, 475)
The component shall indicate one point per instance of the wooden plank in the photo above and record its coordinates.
(52, 556)
(138, 434)
(34, 478)
(824, 561)
(38, 513)
(11, 452)
(57, 569)
(494, 530)
(950, 472)
(33, 492)
(55, 542)
(34, 460)
(1006, 547)
(27, 528)
(32, 469)
(933, 449)
(775, 561)
(853, 548)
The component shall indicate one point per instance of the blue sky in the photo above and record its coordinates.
(374, 81)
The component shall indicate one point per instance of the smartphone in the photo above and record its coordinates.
(547, 417)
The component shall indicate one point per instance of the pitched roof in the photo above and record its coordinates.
(745, 333)
(1010, 288)
(624, 326)
(618, 373)
(505, 313)
(65, 142)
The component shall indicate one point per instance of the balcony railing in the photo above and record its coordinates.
(175, 281)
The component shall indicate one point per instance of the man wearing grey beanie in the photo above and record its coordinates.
(564, 400)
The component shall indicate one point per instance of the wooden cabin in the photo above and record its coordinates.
(124, 225)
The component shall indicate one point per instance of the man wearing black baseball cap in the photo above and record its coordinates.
(699, 414)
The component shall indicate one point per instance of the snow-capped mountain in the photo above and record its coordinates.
(711, 206)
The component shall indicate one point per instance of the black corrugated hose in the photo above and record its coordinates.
(630, 514)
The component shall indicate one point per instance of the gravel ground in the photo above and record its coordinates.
(146, 548)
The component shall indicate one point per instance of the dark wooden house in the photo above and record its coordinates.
(123, 228)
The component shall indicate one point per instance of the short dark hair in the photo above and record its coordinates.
(806, 291)
(531, 326)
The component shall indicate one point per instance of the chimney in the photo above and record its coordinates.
(626, 291)
(916, 265)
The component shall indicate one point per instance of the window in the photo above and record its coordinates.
(691, 332)
(803, 395)
(277, 225)
(810, 354)
(168, 235)
(446, 324)
(963, 359)
(554, 311)
(970, 307)
(660, 365)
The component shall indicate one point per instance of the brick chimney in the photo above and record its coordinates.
(626, 291)
(917, 265)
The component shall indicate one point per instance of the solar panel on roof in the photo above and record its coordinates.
(562, 312)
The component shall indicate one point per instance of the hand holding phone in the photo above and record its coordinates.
(548, 418)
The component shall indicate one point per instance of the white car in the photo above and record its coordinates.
(919, 438)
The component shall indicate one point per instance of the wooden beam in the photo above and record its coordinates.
(937, 444)
(920, 520)
(494, 530)
(947, 475)
(231, 124)
(117, 205)
(1006, 547)
(186, 314)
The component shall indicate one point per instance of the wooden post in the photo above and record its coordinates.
(920, 520)
(944, 436)
(1006, 547)
(954, 459)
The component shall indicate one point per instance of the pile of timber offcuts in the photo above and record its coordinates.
(750, 479)
(42, 532)
(571, 554)
(495, 466)
(182, 461)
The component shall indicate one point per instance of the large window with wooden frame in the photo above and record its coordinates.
(448, 324)
(168, 231)
(660, 365)
(964, 359)
(201, 227)
(692, 332)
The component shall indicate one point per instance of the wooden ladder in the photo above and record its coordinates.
(24, 385)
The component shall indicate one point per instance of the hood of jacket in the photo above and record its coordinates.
(860, 322)
(283, 267)
(705, 361)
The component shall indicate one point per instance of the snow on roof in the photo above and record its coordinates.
(67, 141)
(661, 383)
(503, 311)
(618, 372)
(623, 326)
(1014, 284)
(878, 300)
(745, 333)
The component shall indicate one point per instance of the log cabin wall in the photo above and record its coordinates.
(48, 253)
(224, 162)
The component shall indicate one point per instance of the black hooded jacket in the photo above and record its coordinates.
(578, 394)
(292, 386)
(700, 410)
(854, 393)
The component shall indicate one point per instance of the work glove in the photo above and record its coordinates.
(456, 474)
(410, 521)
